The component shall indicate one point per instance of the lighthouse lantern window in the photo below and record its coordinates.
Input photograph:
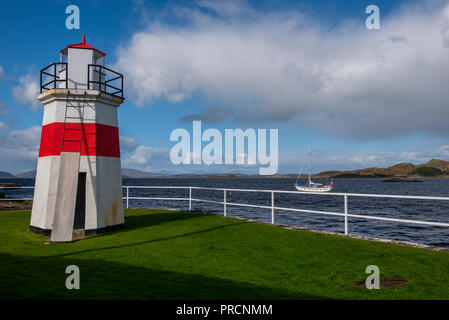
(98, 74)
(63, 57)
(99, 60)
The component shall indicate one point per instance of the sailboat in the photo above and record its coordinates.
(311, 186)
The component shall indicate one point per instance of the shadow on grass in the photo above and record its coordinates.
(133, 222)
(152, 240)
(44, 278)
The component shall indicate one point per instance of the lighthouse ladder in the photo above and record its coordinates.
(72, 140)
(74, 132)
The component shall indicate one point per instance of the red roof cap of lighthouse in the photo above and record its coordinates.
(84, 45)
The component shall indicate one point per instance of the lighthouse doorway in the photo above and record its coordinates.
(80, 207)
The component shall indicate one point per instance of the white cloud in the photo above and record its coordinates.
(19, 149)
(347, 81)
(444, 150)
(128, 144)
(2, 125)
(229, 8)
(27, 91)
(2, 74)
(28, 138)
(141, 155)
(148, 159)
(4, 110)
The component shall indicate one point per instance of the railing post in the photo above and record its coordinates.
(67, 76)
(224, 203)
(272, 207)
(54, 83)
(127, 197)
(190, 198)
(346, 214)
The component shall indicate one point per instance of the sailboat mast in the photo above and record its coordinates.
(310, 162)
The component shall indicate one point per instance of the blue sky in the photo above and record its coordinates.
(362, 117)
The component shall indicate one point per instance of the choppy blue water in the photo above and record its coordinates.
(426, 210)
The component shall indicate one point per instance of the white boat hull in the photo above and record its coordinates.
(314, 189)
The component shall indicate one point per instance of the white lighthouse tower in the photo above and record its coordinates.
(78, 187)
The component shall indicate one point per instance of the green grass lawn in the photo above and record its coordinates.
(177, 255)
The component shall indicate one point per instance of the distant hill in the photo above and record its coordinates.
(27, 175)
(137, 174)
(126, 173)
(4, 174)
(432, 168)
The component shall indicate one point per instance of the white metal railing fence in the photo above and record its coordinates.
(345, 214)
(15, 188)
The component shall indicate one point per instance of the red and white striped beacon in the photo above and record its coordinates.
(78, 187)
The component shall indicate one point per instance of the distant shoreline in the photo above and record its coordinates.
(434, 168)
(240, 176)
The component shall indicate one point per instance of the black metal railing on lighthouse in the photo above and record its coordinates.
(105, 80)
(52, 75)
(99, 78)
